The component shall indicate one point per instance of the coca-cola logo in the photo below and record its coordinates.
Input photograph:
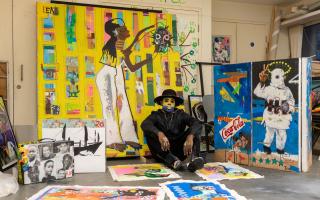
(232, 128)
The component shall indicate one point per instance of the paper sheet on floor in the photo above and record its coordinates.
(138, 172)
(227, 170)
(197, 190)
(98, 192)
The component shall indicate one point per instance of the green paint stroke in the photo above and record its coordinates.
(71, 28)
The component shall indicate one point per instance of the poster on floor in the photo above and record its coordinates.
(102, 63)
(187, 189)
(141, 172)
(98, 192)
(89, 141)
(221, 52)
(8, 144)
(232, 122)
(226, 170)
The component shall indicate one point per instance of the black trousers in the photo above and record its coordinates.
(176, 148)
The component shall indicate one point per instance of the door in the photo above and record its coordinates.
(251, 42)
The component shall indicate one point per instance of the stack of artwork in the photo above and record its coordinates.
(264, 116)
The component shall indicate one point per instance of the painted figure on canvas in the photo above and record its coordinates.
(279, 104)
(166, 137)
(111, 85)
(111, 81)
(221, 49)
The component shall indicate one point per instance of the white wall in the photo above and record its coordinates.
(233, 18)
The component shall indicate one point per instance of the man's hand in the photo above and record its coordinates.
(165, 144)
(188, 144)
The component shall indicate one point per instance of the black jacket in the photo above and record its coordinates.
(173, 124)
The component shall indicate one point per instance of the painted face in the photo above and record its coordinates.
(48, 168)
(32, 153)
(67, 162)
(168, 104)
(63, 148)
(46, 152)
(122, 32)
(161, 40)
(61, 174)
(277, 77)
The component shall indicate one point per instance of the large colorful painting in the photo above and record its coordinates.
(106, 63)
(141, 172)
(277, 129)
(232, 122)
(8, 144)
(275, 104)
(185, 189)
(88, 137)
(98, 192)
(187, 40)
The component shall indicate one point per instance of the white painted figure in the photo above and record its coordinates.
(115, 108)
(280, 104)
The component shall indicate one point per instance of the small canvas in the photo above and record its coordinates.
(98, 192)
(89, 141)
(8, 143)
(221, 49)
(187, 189)
(46, 161)
(141, 172)
(228, 170)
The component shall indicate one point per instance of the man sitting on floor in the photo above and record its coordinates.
(167, 137)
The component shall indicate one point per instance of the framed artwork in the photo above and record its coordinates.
(8, 143)
(196, 108)
(221, 52)
(197, 111)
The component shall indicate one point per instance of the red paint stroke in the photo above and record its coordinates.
(233, 77)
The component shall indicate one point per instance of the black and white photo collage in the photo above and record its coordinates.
(49, 161)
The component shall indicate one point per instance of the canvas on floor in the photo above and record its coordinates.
(198, 190)
(141, 172)
(220, 171)
(98, 192)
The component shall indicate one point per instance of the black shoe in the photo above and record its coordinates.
(280, 151)
(195, 164)
(266, 149)
(177, 165)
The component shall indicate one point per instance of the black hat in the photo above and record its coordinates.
(168, 93)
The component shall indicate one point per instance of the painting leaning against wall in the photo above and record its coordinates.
(115, 62)
(8, 143)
